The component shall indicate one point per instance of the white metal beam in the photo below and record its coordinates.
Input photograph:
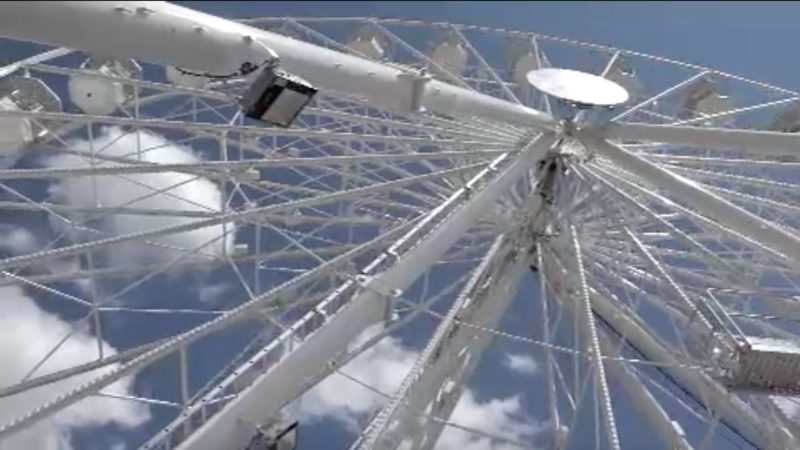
(164, 33)
(233, 168)
(750, 141)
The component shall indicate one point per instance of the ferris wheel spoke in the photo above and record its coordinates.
(762, 203)
(451, 130)
(244, 311)
(64, 374)
(680, 314)
(207, 395)
(545, 288)
(610, 64)
(594, 346)
(729, 215)
(157, 87)
(755, 142)
(732, 408)
(175, 266)
(221, 218)
(366, 307)
(652, 349)
(737, 181)
(358, 114)
(249, 130)
(634, 295)
(694, 315)
(715, 239)
(450, 348)
(320, 37)
(397, 170)
(720, 281)
(697, 308)
(671, 434)
(10, 68)
(77, 225)
(567, 296)
(64, 209)
(716, 162)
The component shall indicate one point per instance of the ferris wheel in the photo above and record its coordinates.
(203, 220)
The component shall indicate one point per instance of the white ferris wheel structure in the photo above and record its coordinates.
(374, 173)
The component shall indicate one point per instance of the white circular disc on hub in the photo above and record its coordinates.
(578, 87)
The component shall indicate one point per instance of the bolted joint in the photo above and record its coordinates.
(416, 83)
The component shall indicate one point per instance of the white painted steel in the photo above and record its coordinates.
(440, 165)
(214, 45)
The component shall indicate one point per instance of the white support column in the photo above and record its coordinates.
(430, 431)
(727, 214)
(442, 364)
(497, 302)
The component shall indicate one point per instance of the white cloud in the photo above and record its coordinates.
(383, 367)
(213, 295)
(27, 333)
(521, 364)
(16, 240)
(169, 191)
(500, 417)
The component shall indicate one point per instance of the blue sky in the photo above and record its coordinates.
(747, 39)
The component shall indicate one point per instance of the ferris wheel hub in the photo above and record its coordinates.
(580, 88)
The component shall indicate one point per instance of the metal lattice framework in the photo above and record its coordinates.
(425, 180)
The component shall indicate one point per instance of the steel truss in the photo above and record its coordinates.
(663, 235)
